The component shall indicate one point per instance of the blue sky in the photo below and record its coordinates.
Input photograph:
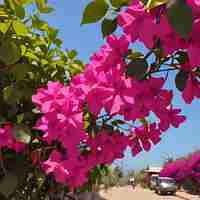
(87, 39)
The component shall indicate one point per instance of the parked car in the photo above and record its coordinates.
(153, 182)
(165, 185)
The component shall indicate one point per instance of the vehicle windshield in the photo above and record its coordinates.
(169, 181)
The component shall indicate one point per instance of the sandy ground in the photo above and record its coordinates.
(127, 193)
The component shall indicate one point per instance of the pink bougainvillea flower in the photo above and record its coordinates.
(50, 164)
(192, 89)
(195, 5)
(111, 55)
(144, 137)
(136, 22)
(135, 146)
(183, 169)
(154, 133)
(169, 116)
(173, 169)
(193, 54)
(114, 90)
(45, 98)
(5, 138)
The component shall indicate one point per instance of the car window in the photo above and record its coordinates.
(169, 181)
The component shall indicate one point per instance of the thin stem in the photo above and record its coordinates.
(102, 116)
(172, 65)
(148, 54)
(107, 116)
(166, 77)
(2, 163)
(164, 70)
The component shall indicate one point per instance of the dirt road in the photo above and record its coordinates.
(127, 193)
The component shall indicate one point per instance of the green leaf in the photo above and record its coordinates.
(40, 178)
(137, 68)
(2, 120)
(32, 56)
(39, 24)
(71, 54)
(47, 9)
(17, 3)
(135, 55)
(144, 121)
(20, 118)
(58, 42)
(8, 184)
(108, 26)
(181, 80)
(11, 4)
(3, 13)
(20, 28)
(155, 3)
(17, 168)
(180, 17)
(7, 92)
(44, 62)
(75, 68)
(119, 3)
(117, 122)
(4, 26)
(10, 95)
(23, 49)
(43, 7)
(22, 134)
(52, 33)
(22, 2)
(94, 11)
(20, 12)
(10, 53)
(87, 120)
(159, 54)
(20, 70)
(36, 111)
(182, 57)
(144, 2)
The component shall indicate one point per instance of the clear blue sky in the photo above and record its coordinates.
(87, 39)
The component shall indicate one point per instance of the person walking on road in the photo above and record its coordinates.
(132, 182)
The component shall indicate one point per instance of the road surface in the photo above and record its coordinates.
(127, 193)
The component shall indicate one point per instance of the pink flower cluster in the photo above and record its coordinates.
(105, 85)
(102, 85)
(8, 140)
(148, 27)
(63, 121)
(184, 168)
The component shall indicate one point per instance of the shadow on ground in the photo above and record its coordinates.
(181, 197)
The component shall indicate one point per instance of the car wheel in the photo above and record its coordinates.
(158, 192)
(162, 193)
